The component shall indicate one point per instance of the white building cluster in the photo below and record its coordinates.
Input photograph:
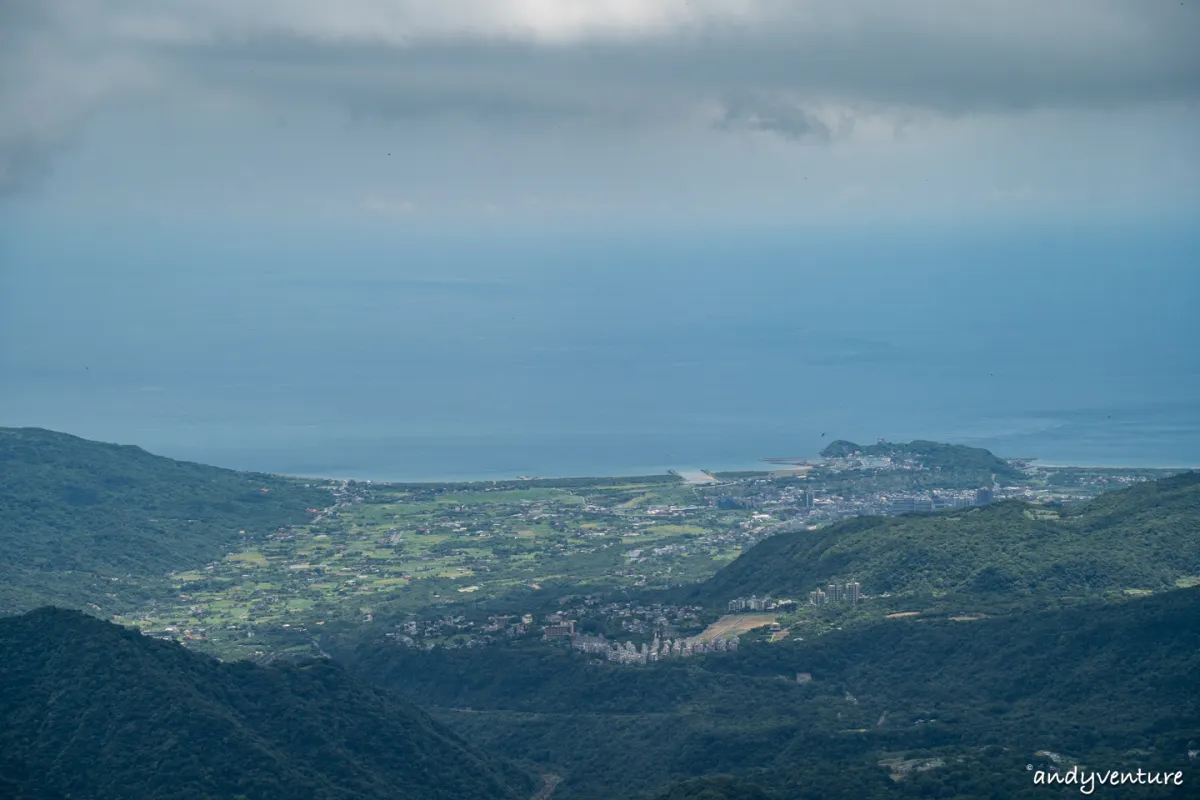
(657, 650)
(836, 593)
(755, 603)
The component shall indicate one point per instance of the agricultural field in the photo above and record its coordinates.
(409, 548)
(463, 555)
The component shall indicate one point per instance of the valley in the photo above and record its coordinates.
(866, 621)
(461, 564)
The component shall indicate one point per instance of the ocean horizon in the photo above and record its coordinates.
(394, 359)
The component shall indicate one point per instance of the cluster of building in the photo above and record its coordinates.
(935, 501)
(754, 603)
(836, 593)
(657, 650)
(460, 631)
(640, 619)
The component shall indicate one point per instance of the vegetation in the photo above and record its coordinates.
(159, 544)
(83, 522)
(91, 710)
(720, 787)
(868, 712)
(954, 458)
(666, 479)
(1145, 537)
(993, 637)
(390, 550)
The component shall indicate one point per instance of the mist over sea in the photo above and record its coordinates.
(408, 356)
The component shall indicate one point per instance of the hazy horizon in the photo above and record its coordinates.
(406, 240)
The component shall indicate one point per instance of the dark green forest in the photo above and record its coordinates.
(1033, 648)
(75, 514)
(89, 710)
(1144, 537)
(719, 787)
(1108, 685)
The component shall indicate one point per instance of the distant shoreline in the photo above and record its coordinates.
(1038, 463)
(523, 478)
(763, 468)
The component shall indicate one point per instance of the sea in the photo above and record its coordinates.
(436, 355)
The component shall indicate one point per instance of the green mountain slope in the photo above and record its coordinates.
(91, 710)
(720, 787)
(956, 458)
(1143, 537)
(74, 514)
(1109, 685)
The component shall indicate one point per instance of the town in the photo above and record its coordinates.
(437, 551)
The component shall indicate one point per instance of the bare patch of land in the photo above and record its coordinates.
(733, 624)
(694, 476)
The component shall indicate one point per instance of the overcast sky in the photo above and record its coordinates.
(423, 111)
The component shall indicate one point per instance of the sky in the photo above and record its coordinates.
(231, 228)
(592, 113)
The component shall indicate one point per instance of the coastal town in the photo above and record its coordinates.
(436, 551)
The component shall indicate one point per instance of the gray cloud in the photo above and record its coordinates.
(966, 57)
(800, 71)
(24, 161)
(774, 116)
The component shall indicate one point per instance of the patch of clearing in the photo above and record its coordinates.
(549, 782)
(733, 624)
(248, 557)
(1188, 581)
(1137, 592)
(901, 767)
(969, 617)
(900, 614)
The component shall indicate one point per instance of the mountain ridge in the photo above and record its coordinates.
(1146, 536)
(1108, 683)
(92, 710)
(76, 514)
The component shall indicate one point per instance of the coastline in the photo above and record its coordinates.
(524, 477)
(528, 477)
(1039, 463)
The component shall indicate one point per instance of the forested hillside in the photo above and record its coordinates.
(957, 458)
(964, 705)
(92, 711)
(1143, 537)
(86, 522)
